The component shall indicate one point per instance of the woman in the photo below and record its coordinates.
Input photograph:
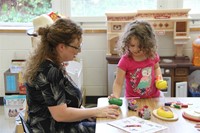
(54, 100)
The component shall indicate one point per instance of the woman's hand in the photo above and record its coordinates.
(91, 118)
(110, 111)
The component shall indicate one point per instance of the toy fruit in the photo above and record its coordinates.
(145, 113)
(161, 84)
(116, 101)
(165, 112)
(132, 105)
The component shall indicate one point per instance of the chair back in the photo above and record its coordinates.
(25, 126)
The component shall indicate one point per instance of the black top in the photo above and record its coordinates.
(52, 86)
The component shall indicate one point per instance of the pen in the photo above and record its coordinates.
(133, 125)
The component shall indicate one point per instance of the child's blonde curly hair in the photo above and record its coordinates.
(142, 31)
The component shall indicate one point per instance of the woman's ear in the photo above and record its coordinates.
(61, 47)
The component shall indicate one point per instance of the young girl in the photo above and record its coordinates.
(139, 63)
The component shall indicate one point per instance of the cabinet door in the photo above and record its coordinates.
(111, 77)
(181, 29)
(181, 72)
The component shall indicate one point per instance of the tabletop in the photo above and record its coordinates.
(181, 125)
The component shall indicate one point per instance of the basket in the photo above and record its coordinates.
(193, 94)
(196, 52)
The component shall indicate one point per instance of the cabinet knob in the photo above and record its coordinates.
(167, 71)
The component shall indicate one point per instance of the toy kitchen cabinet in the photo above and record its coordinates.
(173, 70)
(165, 20)
(177, 69)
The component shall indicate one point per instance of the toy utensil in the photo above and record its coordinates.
(116, 101)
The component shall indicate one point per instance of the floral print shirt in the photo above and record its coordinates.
(140, 77)
(52, 86)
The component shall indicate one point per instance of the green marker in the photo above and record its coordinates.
(177, 106)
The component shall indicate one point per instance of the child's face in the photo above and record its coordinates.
(134, 47)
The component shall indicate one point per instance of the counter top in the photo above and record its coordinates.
(168, 61)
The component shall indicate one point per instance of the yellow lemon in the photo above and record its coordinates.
(161, 84)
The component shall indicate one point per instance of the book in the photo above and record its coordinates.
(135, 124)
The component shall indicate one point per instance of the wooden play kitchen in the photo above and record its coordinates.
(176, 21)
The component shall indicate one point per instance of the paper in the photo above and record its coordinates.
(135, 124)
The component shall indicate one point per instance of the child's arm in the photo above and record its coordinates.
(158, 72)
(160, 83)
(118, 83)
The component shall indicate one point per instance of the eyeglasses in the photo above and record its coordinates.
(77, 48)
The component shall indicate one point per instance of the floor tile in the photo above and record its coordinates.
(7, 125)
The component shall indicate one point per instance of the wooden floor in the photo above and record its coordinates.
(7, 125)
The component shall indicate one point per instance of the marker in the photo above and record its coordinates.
(177, 106)
(184, 105)
(133, 125)
(168, 104)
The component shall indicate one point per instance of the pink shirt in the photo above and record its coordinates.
(140, 77)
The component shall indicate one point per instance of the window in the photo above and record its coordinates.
(194, 12)
(93, 11)
(193, 5)
(23, 11)
(85, 11)
(91, 8)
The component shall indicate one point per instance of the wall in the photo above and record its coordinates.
(17, 45)
(12, 46)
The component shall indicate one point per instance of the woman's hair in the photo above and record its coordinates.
(61, 31)
(141, 30)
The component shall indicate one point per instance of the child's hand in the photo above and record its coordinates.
(111, 96)
(161, 84)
